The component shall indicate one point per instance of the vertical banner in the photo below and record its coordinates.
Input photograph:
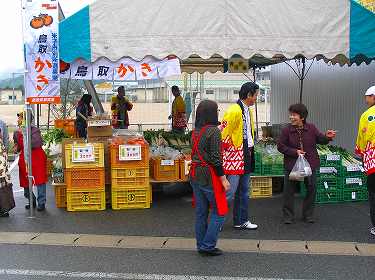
(41, 42)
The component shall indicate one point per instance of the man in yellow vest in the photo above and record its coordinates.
(120, 107)
(238, 137)
(365, 147)
(178, 116)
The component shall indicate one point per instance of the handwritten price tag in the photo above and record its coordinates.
(83, 154)
(130, 152)
(353, 168)
(167, 163)
(328, 170)
(333, 157)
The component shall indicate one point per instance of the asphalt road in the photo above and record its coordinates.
(186, 263)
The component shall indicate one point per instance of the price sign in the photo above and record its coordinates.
(350, 181)
(354, 195)
(328, 170)
(167, 163)
(83, 154)
(98, 123)
(130, 152)
(333, 157)
(353, 168)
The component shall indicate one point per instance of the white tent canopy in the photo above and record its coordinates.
(114, 29)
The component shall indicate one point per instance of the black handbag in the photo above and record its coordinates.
(6, 198)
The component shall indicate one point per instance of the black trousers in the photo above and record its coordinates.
(308, 202)
(371, 196)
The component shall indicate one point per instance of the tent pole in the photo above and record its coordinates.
(48, 116)
(301, 79)
(256, 105)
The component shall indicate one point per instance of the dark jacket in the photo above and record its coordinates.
(210, 149)
(289, 143)
(249, 158)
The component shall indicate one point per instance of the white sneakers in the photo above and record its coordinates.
(247, 225)
(372, 231)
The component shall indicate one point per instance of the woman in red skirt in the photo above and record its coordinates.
(39, 164)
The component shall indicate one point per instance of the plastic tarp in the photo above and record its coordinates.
(338, 30)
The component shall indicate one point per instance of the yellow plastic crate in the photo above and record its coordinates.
(85, 200)
(98, 153)
(131, 198)
(130, 177)
(261, 187)
(91, 178)
(60, 194)
(160, 171)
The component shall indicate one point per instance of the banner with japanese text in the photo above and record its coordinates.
(41, 43)
(126, 69)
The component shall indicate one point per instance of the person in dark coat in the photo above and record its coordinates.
(301, 138)
(83, 112)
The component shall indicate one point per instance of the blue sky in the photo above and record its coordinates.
(11, 55)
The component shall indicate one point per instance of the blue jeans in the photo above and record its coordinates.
(206, 232)
(239, 192)
(42, 196)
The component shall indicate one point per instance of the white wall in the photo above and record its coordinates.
(334, 96)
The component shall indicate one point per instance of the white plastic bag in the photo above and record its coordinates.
(300, 170)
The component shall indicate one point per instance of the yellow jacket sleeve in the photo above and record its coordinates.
(232, 125)
(366, 130)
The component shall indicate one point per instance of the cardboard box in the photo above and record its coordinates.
(99, 131)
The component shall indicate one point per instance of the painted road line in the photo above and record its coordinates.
(122, 276)
(189, 244)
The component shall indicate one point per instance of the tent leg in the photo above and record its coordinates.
(95, 97)
(28, 158)
(302, 78)
(256, 105)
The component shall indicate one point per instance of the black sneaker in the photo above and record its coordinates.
(213, 253)
(288, 221)
(27, 206)
(41, 208)
(309, 220)
(4, 215)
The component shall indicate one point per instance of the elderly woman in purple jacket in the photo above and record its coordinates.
(300, 137)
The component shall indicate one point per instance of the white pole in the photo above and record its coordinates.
(27, 144)
(266, 103)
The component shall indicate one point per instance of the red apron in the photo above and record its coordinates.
(39, 165)
(219, 192)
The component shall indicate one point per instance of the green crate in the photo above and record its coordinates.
(333, 160)
(355, 194)
(353, 173)
(274, 169)
(324, 183)
(333, 195)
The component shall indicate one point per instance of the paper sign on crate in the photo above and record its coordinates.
(353, 168)
(130, 152)
(83, 154)
(333, 157)
(166, 162)
(350, 181)
(354, 195)
(328, 170)
(98, 123)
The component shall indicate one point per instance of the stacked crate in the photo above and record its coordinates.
(329, 182)
(261, 187)
(85, 176)
(130, 177)
(354, 184)
(338, 183)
